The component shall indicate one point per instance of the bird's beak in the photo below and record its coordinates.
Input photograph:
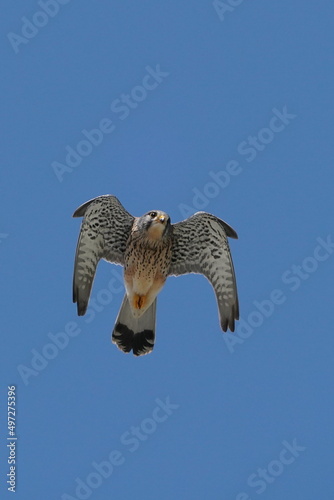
(161, 219)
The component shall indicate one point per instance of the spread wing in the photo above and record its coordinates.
(200, 246)
(103, 235)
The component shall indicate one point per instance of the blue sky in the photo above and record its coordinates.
(177, 106)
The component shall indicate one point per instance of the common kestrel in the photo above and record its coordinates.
(151, 248)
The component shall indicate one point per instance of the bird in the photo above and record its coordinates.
(151, 248)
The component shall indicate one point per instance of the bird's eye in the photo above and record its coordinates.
(152, 214)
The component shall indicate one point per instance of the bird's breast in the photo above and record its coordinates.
(145, 266)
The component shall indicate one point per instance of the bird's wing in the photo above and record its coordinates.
(103, 235)
(200, 246)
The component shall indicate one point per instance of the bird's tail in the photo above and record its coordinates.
(136, 334)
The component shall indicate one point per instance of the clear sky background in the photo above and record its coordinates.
(228, 110)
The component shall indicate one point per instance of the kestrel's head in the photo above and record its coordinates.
(156, 223)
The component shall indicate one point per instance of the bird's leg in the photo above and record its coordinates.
(139, 301)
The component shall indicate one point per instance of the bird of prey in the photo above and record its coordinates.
(151, 248)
